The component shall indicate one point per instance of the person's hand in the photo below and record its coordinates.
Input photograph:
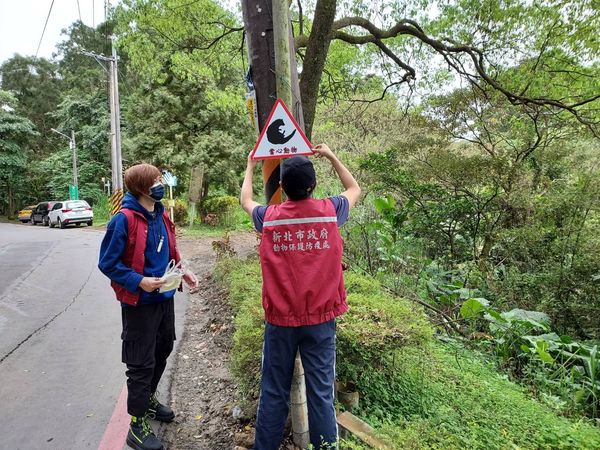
(150, 284)
(323, 150)
(191, 280)
(251, 162)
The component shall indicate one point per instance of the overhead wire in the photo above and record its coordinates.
(44, 30)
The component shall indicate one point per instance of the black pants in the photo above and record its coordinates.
(148, 335)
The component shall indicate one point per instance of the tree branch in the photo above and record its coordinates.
(381, 97)
(449, 49)
(301, 18)
(410, 72)
(301, 41)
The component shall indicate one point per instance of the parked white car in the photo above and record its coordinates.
(70, 211)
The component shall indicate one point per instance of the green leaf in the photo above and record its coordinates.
(384, 205)
(534, 318)
(473, 307)
(495, 315)
(525, 348)
(542, 350)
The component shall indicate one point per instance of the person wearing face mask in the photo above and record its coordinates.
(135, 252)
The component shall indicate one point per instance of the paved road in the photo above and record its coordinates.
(60, 369)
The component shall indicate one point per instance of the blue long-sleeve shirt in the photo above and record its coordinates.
(113, 247)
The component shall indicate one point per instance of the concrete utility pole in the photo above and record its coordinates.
(195, 190)
(281, 31)
(274, 74)
(115, 125)
(283, 82)
(115, 131)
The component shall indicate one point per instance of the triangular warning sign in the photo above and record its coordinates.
(281, 136)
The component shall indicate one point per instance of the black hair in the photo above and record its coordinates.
(298, 177)
(300, 194)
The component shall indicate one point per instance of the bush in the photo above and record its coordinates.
(360, 284)
(442, 396)
(563, 371)
(224, 207)
(101, 210)
(376, 325)
(180, 213)
(537, 273)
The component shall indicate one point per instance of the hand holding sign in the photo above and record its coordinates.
(251, 161)
(323, 150)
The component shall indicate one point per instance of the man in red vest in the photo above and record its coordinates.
(303, 292)
(135, 252)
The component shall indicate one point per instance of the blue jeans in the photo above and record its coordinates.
(317, 350)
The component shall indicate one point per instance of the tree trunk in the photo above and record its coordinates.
(484, 256)
(204, 191)
(11, 204)
(314, 61)
(195, 191)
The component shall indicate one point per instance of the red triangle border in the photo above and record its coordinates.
(262, 133)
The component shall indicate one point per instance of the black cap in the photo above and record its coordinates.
(298, 177)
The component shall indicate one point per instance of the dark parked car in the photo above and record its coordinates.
(40, 213)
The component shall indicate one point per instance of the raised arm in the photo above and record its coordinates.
(352, 189)
(246, 194)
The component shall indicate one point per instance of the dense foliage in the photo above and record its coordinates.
(418, 392)
(514, 224)
(15, 131)
(179, 109)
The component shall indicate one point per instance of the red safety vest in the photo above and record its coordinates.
(137, 235)
(301, 261)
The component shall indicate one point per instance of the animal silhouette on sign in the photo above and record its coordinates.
(275, 135)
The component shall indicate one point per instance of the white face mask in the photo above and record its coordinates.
(172, 276)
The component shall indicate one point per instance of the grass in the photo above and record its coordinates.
(202, 230)
(418, 392)
(443, 396)
(244, 283)
(238, 220)
(101, 212)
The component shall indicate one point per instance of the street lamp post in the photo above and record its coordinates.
(75, 190)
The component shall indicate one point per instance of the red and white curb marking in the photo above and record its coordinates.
(118, 425)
